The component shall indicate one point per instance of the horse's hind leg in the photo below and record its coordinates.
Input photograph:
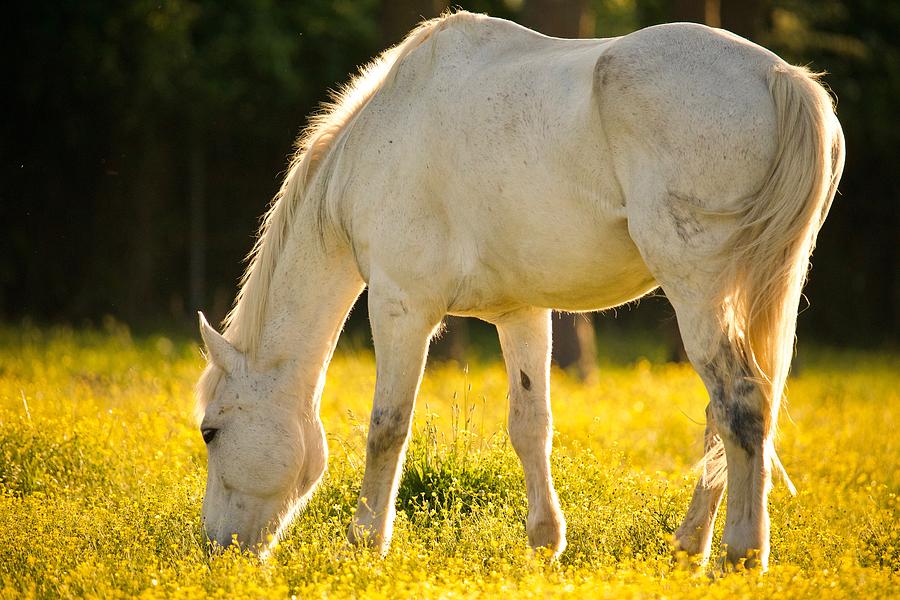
(737, 410)
(694, 537)
(525, 339)
(686, 261)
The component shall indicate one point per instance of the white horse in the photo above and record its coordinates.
(482, 169)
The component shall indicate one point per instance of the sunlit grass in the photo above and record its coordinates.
(102, 475)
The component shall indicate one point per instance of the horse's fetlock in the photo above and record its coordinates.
(366, 535)
(371, 528)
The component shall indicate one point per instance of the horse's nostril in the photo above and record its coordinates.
(216, 541)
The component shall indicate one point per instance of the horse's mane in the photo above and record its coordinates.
(243, 325)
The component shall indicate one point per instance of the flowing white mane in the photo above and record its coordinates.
(243, 324)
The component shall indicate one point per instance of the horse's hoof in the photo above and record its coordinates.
(737, 558)
(365, 536)
(548, 535)
(688, 542)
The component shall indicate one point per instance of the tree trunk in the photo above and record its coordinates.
(453, 343)
(558, 18)
(743, 17)
(151, 183)
(575, 344)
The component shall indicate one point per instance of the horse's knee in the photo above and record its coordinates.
(388, 429)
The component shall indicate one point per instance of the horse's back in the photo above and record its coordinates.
(495, 153)
(495, 157)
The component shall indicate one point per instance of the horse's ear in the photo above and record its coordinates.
(222, 354)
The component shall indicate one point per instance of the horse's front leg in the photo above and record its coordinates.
(400, 331)
(525, 338)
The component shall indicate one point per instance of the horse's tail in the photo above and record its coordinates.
(768, 255)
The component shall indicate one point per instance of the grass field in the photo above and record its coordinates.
(102, 472)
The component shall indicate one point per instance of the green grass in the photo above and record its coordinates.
(102, 476)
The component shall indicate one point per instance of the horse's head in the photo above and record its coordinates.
(265, 453)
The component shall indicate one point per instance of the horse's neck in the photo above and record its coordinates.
(313, 288)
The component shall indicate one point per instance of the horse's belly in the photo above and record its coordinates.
(555, 268)
(605, 290)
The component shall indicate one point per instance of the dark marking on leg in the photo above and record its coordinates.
(746, 425)
(717, 395)
(386, 416)
(744, 386)
(732, 405)
(526, 382)
(397, 308)
(387, 430)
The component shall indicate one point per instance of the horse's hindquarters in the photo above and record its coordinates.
(686, 109)
(728, 158)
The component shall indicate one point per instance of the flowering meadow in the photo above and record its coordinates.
(102, 471)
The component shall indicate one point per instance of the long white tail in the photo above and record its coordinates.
(770, 251)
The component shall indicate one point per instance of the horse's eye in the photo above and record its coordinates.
(209, 434)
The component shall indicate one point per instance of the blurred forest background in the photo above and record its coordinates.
(142, 141)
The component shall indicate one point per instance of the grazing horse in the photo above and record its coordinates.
(482, 169)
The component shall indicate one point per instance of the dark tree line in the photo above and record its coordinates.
(142, 140)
